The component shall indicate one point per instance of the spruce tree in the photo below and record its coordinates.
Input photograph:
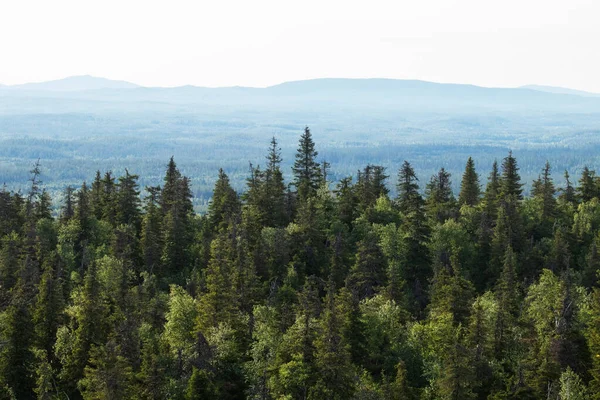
(48, 309)
(275, 187)
(224, 206)
(568, 194)
(307, 171)
(169, 192)
(369, 272)
(108, 374)
(409, 200)
(109, 190)
(370, 185)
(469, 187)
(507, 297)
(332, 356)
(96, 195)
(68, 208)
(16, 357)
(510, 182)
(492, 191)
(588, 186)
(544, 191)
(440, 200)
(347, 201)
(593, 341)
(151, 238)
(414, 233)
(128, 201)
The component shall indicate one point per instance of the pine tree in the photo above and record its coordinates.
(307, 171)
(469, 187)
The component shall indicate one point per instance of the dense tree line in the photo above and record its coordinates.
(303, 292)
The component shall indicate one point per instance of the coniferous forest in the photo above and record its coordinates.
(302, 288)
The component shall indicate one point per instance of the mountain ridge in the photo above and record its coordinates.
(73, 83)
(560, 90)
(82, 83)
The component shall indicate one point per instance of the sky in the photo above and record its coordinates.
(497, 43)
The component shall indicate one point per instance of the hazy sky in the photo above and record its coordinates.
(264, 42)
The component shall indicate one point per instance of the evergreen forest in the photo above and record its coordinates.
(375, 286)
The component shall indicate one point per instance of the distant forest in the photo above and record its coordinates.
(316, 287)
(355, 122)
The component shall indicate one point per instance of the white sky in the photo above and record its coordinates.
(265, 42)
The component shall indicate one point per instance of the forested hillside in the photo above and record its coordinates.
(312, 290)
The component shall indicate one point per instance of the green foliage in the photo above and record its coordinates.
(307, 171)
(308, 293)
(469, 186)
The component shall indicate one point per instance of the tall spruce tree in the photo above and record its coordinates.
(275, 187)
(440, 200)
(510, 182)
(568, 194)
(307, 171)
(469, 186)
(128, 200)
(151, 239)
(415, 233)
(588, 186)
(224, 205)
(543, 190)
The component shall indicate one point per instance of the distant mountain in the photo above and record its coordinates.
(93, 95)
(73, 84)
(560, 90)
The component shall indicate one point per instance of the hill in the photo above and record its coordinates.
(74, 83)
(560, 90)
